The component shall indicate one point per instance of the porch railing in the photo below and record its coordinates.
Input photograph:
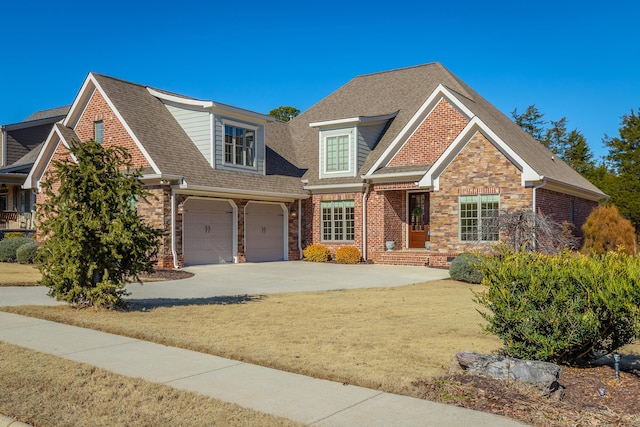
(12, 220)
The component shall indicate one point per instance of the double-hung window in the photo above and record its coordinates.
(98, 132)
(338, 220)
(239, 145)
(337, 153)
(479, 217)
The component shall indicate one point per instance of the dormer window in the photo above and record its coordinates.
(98, 132)
(239, 145)
(337, 151)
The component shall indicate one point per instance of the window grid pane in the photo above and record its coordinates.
(490, 208)
(468, 218)
(337, 153)
(338, 220)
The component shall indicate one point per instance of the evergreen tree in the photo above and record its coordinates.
(93, 238)
(284, 113)
(624, 160)
(531, 121)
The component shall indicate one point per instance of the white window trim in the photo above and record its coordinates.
(227, 122)
(479, 218)
(324, 134)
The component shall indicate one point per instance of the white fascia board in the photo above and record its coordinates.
(353, 121)
(184, 188)
(431, 178)
(562, 187)
(392, 176)
(133, 136)
(335, 187)
(80, 101)
(423, 112)
(45, 157)
(179, 100)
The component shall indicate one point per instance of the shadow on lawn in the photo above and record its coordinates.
(151, 303)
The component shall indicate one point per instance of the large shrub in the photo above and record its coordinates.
(562, 308)
(348, 255)
(9, 247)
(94, 239)
(464, 268)
(316, 253)
(606, 230)
(26, 254)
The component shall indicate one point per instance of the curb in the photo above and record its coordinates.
(8, 421)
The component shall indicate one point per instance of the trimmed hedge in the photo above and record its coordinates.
(565, 308)
(348, 255)
(316, 253)
(464, 268)
(9, 247)
(26, 254)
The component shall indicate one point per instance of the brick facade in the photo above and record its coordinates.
(564, 208)
(115, 134)
(432, 137)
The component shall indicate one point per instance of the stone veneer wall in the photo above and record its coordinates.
(480, 168)
(156, 211)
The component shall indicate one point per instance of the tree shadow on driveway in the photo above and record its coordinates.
(151, 303)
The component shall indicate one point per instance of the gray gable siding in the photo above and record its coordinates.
(368, 136)
(219, 122)
(196, 124)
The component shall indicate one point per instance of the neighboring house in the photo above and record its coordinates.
(412, 156)
(20, 144)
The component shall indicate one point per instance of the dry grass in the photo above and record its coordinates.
(32, 384)
(14, 274)
(380, 338)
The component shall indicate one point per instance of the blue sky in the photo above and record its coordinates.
(567, 58)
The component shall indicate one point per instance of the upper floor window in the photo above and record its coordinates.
(98, 132)
(337, 153)
(239, 145)
(479, 217)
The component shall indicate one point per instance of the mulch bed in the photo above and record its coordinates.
(581, 405)
(160, 274)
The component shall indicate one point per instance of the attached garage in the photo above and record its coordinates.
(208, 230)
(265, 232)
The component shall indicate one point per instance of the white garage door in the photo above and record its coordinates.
(208, 232)
(264, 232)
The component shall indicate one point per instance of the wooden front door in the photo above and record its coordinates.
(418, 219)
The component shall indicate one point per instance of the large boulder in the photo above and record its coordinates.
(542, 375)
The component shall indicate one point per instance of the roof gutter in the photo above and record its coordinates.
(228, 192)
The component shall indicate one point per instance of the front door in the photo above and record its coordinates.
(418, 219)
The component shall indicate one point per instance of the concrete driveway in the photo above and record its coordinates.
(274, 277)
(211, 282)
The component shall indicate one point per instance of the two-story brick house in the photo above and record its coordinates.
(412, 156)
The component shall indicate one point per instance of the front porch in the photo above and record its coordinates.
(413, 257)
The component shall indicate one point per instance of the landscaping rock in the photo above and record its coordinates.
(542, 375)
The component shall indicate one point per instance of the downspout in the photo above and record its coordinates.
(364, 220)
(535, 212)
(174, 252)
(300, 228)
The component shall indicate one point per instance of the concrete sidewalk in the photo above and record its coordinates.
(308, 400)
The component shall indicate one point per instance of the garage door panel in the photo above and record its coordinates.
(208, 232)
(264, 232)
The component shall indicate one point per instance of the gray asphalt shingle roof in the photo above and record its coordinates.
(405, 91)
(175, 154)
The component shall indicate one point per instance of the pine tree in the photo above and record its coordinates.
(531, 121)
(624, 159)
(93, 238)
